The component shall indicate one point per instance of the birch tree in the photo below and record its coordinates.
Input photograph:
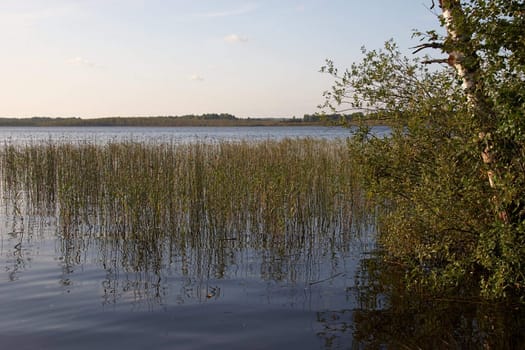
(451, 178)
(485, 45)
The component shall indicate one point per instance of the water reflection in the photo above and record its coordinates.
(142, 269)
(150, 266)
(16, 246)
(388, 316)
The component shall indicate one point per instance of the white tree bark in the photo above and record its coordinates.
(451, 10)
(461, 52)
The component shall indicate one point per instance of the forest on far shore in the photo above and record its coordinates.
(213, 119)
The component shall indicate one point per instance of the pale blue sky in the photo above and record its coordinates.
(258, 58)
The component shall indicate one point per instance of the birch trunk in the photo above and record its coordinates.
(464, 59)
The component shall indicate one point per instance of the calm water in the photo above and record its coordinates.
(26, 135)
(63, 289)
(81, 292)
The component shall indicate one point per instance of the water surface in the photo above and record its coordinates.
(80, 271)
(24, 135)
(69, 281)
(83, 291)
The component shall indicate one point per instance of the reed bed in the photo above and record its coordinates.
(145, 200)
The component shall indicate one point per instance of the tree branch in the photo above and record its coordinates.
(437, 60)
(432, 45)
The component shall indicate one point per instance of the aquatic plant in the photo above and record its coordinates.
(144, 203)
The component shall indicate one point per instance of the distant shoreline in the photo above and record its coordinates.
(211, 120)
(181, 123)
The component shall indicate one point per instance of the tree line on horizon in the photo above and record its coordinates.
(209, 119)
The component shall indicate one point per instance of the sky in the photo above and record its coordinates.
(253, 58)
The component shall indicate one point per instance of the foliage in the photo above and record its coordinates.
(492, 45)
(440, 215)
(415, 174)
(334, 118)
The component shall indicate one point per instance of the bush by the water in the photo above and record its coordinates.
(450, 181)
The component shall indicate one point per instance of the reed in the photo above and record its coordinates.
(146, 201)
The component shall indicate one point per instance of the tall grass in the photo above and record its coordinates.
(148, 201)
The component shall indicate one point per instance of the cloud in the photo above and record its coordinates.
(80, 61)
(196, 77)
(234, 39)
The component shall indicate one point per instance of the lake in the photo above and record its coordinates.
(20, 135)
(80, 272)
(80, 292)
